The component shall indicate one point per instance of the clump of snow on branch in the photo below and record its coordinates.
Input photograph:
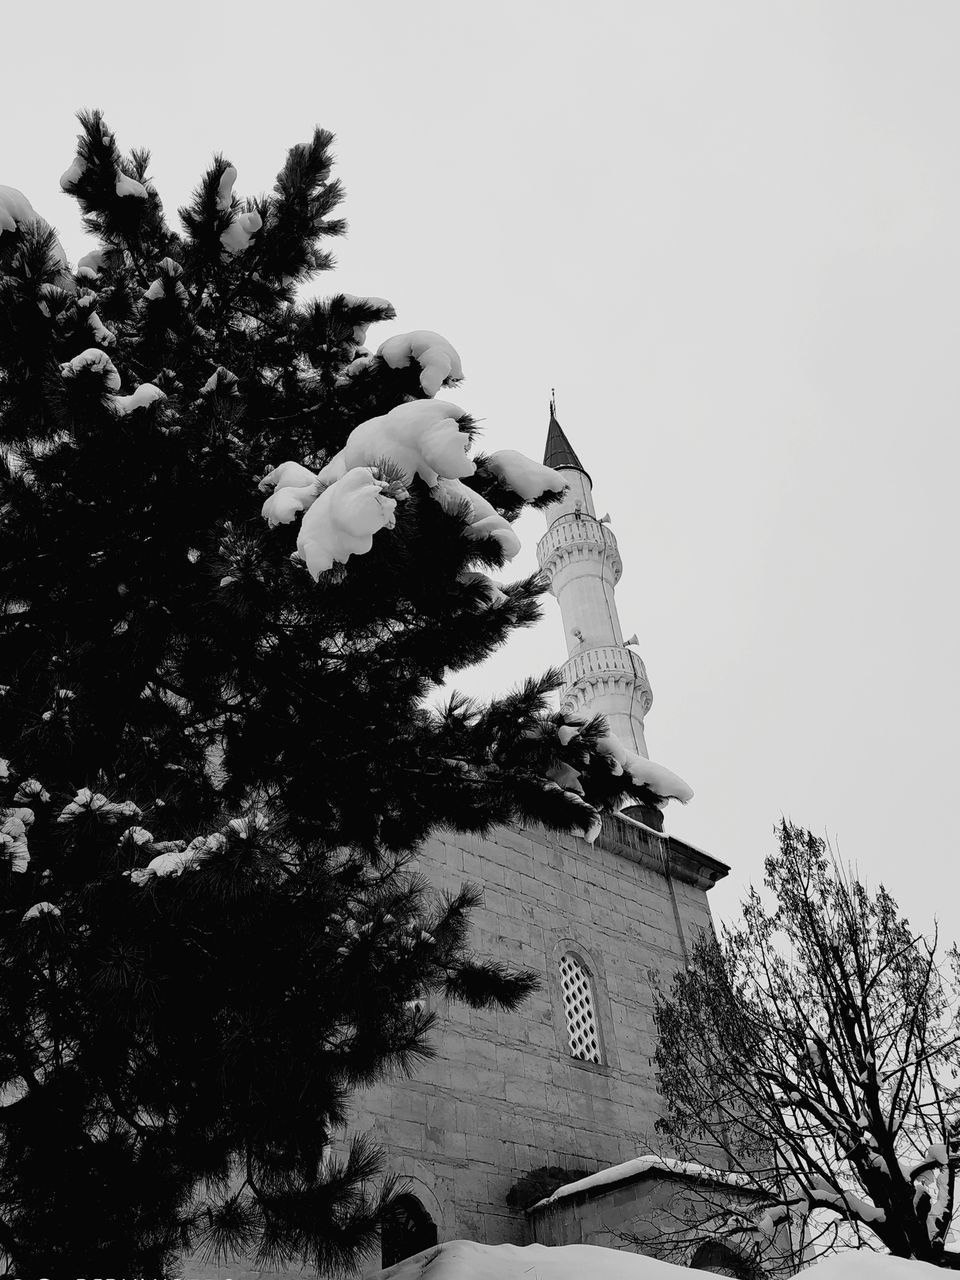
(595, 825)
(343, 519)
(106, 337)
(287, 503)
(420, 438)
(288, 473)
(92, 802)
(225, 189)
(174, 862)
(438, 360)
(236, 238)
(127, 186)
(494, 594)
(171, 270)
(483, 519)
(31, 791)
(13, 837)
(361, 327)
(40, 909)
(295, 489)
(529, 479)
(221, 380)
(70, 177)
(91, 264)
(17, 211)
(99, 361)
(565, 776)
(240, 232)
(643, 772)
(144, 395)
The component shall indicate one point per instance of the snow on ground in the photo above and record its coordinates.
(464, 1260)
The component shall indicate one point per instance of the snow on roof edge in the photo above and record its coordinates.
(635, 1168)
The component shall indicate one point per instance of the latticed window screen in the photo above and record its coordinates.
(582, 1030)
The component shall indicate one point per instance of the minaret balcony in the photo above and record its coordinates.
(610, 669)
(576, 537)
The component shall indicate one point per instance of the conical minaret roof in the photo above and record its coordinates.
(559, 451)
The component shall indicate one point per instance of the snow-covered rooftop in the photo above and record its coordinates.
(636, 1168)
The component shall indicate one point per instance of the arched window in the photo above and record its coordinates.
(720, 1260)
(583, 1030)
(405, 1229)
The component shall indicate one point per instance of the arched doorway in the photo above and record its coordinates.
(405, 1229)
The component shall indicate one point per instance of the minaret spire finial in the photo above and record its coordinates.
(559, 451)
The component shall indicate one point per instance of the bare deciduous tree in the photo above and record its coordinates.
(812, 1049)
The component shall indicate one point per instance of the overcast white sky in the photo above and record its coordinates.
(727, 232)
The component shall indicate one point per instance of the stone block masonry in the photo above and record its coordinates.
(503, 1095)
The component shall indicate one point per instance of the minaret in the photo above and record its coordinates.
(578, 554)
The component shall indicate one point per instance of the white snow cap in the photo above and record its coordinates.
(220, 380)
(106, 337)
(225, 189)
(16, 209)
(288, 473)
(362, 358)
(91, 264)
(40, 909)
(13, 837)
(93, 358)
(342, 521)
(438, 361)
(284, 504)
(176, 861)
(565, 776)
(524, 476)
(421, 437)
(645, 773)
(241, 231)
(483, 519)
(130, 187)
(145, 394)
(360, 329)
(494, 595)
(87, 801)
(73, 175)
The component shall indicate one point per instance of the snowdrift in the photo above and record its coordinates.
(464, 1260)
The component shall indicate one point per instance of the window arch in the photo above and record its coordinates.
(405, 1229)
(579, 1007)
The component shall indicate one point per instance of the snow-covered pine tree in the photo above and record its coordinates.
(219, 748)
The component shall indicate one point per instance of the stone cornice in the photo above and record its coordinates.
(663, 853)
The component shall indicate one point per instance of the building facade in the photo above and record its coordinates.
(568, 1081)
